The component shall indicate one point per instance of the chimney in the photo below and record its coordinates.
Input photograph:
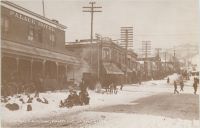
(55, 21)
(76, 41)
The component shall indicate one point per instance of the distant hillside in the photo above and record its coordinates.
(185, 51)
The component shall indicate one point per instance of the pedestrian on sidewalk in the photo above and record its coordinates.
(182, 85)
(195, 85)
(175, 88)
(168, 80)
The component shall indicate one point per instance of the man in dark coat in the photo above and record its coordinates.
(195, 85)
(175, 88)
(182, 85)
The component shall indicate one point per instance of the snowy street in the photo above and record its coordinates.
(151, 105)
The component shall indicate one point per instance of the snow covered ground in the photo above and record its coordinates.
(45, 110)
(129, 94)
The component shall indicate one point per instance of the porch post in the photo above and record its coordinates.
(43, 68)
(57, 70)
(17, 64)
(31, 69)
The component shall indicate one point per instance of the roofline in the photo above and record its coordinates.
(71, 44)
(32, 13)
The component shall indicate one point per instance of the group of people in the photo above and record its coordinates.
(175, 86)
(195, 85)
(74, 99)
(112, 88)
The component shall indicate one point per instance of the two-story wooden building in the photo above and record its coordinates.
(107, 60)
(32, 47)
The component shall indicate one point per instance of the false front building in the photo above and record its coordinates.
(32, 48)
(107, 61)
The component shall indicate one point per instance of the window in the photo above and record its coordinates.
(31, 33)
(4, 24)
(114, 54)
(106, 53)
(129, 62)
(52, 39)
(38, 35)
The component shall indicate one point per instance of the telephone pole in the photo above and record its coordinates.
(165, 60)
(126, 41)
(99, 41)
(158, 51)
(43, 8)
(91, 10)
(146, 50)
(174, 57)
(158, 63)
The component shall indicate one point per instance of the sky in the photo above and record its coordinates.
(166, 23)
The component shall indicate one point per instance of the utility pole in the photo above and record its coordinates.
(174, 58)
(159, 72)
(91, 10)
(165, 60)
(126, 39)
(43, 8)
(188, 58)
(158, 51)
(99, 39)
(146, 50)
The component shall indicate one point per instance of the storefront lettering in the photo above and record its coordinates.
(32, 21)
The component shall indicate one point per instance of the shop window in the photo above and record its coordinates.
(4, 24)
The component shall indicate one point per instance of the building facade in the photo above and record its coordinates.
(107, 60)
(32, 50)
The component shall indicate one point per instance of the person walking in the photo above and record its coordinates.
(195, 85)
(182, 85)
(168, 80)
(175, 88)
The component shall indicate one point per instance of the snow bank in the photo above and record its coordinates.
(45, 110)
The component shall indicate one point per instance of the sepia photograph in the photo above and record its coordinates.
(100, 63)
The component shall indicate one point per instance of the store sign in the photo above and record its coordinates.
(31, 20)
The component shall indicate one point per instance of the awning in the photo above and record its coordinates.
(25, 50)
(112, 69)
(124, 68)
